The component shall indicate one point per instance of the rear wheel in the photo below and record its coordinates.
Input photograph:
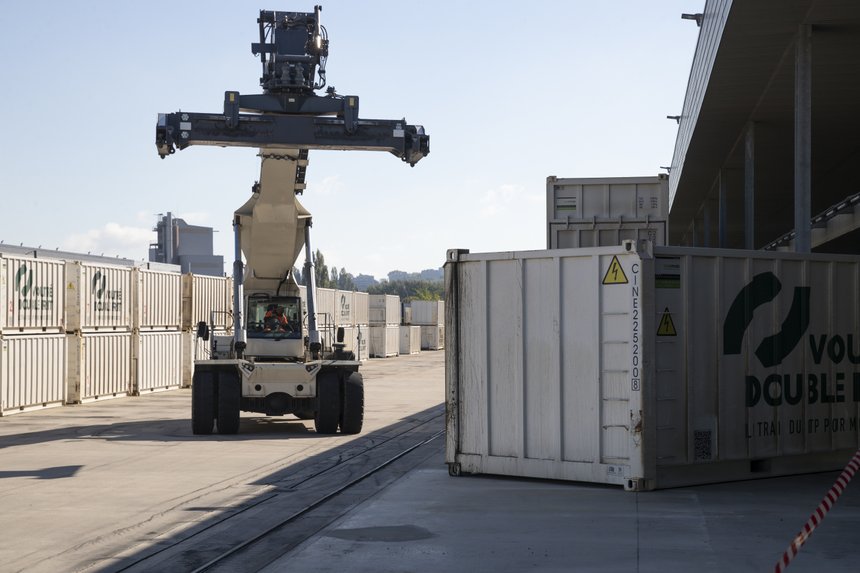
(229, 398)
(328, 403)
(202, 402)
(352, 415)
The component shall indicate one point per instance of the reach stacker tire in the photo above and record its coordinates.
(202, 403)
(328, 403)
(352, 415)
(229, 401)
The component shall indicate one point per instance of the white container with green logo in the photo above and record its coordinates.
(98, 297)
(651, 367)
(32, 295)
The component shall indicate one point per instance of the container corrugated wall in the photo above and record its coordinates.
(326, 307)
(361, 308)
(98, 297)
(566, 236)
(758, 363)
(539, 364)
(384, 341)
(428, 312)
(32, 372)
(432, 337)
(601, 212)
(201, 295)
(159, 300)
(410, 340)
(99, 366)
(158, 361)
(384, 309)
(32, 295)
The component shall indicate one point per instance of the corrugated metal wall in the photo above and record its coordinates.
(159, 361)
(32, 372)
(158, 300)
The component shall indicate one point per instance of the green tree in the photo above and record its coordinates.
(410, 290)
(345, 280)
(321, 270)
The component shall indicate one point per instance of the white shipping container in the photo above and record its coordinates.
(428, 312)
(607, 198)
(432, 337)
(410, 340)
(202, 295)
(645, 370)
(407, 315)
(98, 297)
(361, 308)
(158, 361)
(158, 299)
(32, 295)
(581, 235)
(603, 212)
(384, 341)
(99, 366)
(355, 340)
(32, 372)
(384, 309)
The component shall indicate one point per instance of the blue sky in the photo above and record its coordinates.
(509, 93)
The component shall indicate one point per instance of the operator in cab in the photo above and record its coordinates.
(275, 320)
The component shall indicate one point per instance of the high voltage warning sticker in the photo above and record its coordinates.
(667, 327)
(615, 274)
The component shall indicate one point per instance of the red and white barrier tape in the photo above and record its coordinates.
(818, 515)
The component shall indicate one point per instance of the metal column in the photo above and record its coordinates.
(749, 187)
(722, 209)
(803, 140)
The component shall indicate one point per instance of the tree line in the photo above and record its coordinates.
(407, 290)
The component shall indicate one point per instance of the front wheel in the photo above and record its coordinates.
(352, 415)
(229, 398)
(328, 403)
(202, 402)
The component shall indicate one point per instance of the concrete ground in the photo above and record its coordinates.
(123, 486)
(429, 522)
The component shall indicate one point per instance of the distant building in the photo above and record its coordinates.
(189, 246)
(363, 282)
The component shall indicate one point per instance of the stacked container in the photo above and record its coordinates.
(351, 314)
(157, 358)
(204, 299)
(410, 339)
(600, 212)
(99, 323)
(33, 350)
(430, 316)
(361, 313)
(384, 314)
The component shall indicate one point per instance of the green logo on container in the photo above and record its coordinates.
(106, 300)
(30, 297)
(23, 280)
(774, 349)
(99, 284)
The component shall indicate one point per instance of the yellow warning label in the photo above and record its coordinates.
(615, 274)
(71, 286)
(667, 327)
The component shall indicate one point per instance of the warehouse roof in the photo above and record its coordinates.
(743, 72)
